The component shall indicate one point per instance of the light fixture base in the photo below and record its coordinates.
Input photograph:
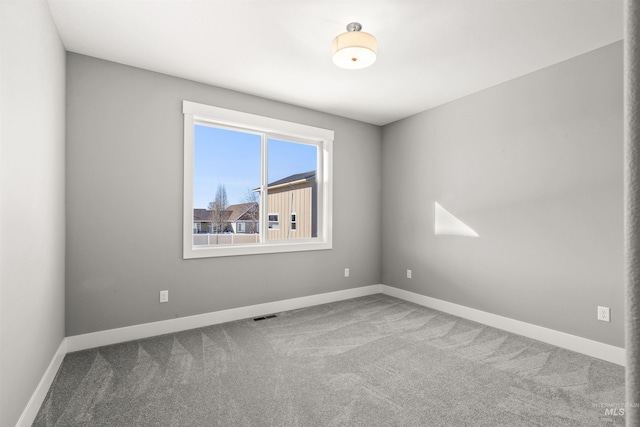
(354, 26)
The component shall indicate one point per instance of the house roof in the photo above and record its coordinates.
(204, 215)
(201, 215)
(307, 176)
(237, 211)
(232, 213)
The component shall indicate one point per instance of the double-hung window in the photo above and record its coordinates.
(274, 221)
(257, 171)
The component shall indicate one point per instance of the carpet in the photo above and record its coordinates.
(370, 361)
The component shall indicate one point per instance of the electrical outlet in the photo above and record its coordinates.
(346, 272)
(604, 314)
(408, 274)
(164, 296)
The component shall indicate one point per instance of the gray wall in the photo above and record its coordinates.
(32, 188)
(124, 205)
(534, 165)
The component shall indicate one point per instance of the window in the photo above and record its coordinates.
(246, 172)
(274, 221)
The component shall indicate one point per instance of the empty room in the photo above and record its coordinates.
(306, 213)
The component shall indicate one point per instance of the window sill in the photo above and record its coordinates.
(253, 249)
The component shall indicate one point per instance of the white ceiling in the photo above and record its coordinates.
(429, 52)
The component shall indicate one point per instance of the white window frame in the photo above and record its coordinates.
(240, 226)
(293, 220)
(277, 221)
(270, 128)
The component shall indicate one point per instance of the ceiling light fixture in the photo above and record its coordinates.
(354, 49)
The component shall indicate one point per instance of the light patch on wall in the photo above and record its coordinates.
(448, 225)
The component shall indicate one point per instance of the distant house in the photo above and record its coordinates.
(243, 217)
(291, 210)
(291, 207)
(202, 221)
(240, 218)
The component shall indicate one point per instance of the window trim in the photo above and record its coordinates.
(272, 128)
(293, 221)
(269, 221)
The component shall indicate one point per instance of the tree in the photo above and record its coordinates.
(253, 212)
(217, 207)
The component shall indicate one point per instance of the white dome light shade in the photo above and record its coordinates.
(354, 49)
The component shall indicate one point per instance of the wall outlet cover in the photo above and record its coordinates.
(604, 314)
(164, 296)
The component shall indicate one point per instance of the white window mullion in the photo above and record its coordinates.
(264, 217)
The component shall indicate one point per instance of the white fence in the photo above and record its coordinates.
(224, 239)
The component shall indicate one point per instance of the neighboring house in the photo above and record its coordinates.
(291, 207)
(291, 210)
(202, 221)
(240, 218)
(244, 217)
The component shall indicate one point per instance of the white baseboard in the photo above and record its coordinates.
(31, 410)
(145, 330)
(589, 347)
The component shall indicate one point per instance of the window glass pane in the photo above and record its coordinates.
(292, 189)
(226, 203)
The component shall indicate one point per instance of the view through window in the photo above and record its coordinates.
(252, 190)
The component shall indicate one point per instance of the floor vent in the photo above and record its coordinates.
(271, 316)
